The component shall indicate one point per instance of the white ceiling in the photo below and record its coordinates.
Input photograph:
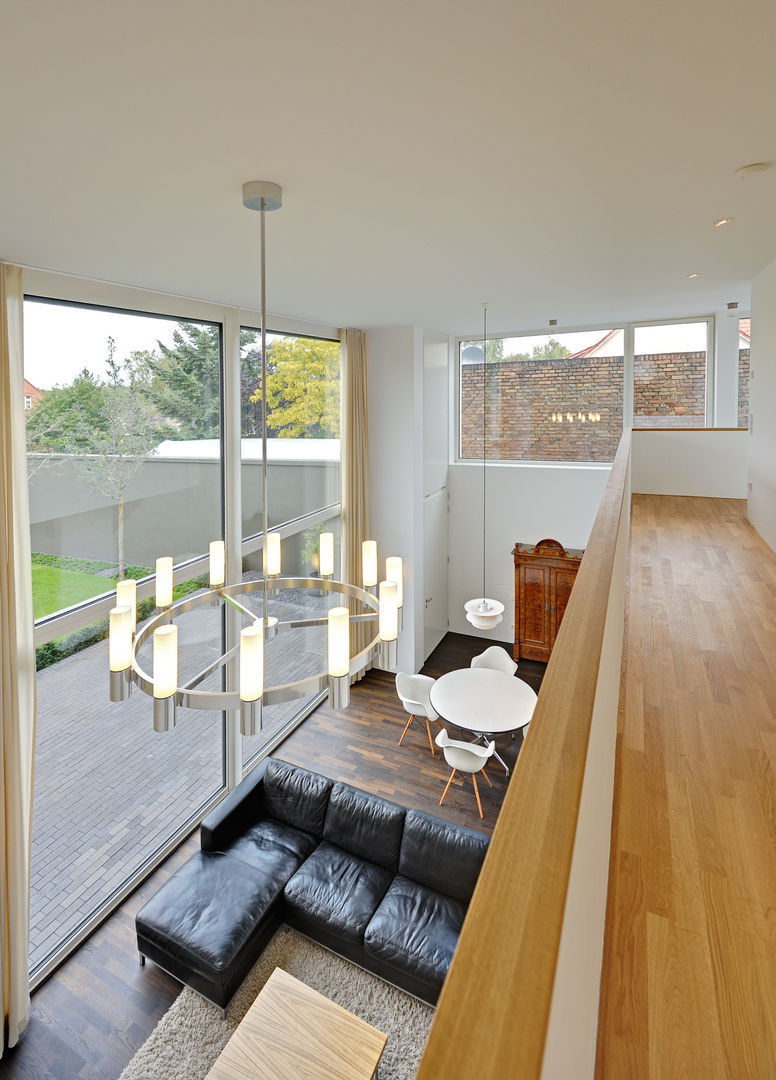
(557, 159)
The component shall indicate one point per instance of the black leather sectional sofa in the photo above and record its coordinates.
(383, 886)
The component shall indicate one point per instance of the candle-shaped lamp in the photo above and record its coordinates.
(165, 668)
(273, 554)
(326, 550)
(217, 564)
(120, 652)
(126, 594)
(388, 624)
(251, 677)
(339, 657)
(164, 581)
(369, 563)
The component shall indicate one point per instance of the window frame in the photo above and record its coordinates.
(56, 288)
(628, 327)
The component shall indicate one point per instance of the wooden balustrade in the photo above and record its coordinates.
(494, 1011)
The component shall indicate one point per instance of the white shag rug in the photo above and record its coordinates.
(191, 1034)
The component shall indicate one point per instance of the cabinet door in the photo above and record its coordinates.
(534, 621)
(562, 582)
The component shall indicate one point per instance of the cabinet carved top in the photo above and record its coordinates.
(547, 547)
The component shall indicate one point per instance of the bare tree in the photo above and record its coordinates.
(129, 436)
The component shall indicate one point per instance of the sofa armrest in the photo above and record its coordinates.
(240, 809)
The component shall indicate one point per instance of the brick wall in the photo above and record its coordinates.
(670, 385)
(522, 397)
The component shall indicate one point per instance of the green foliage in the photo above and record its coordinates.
(68, 418)
(183, 380)
(553, 350)
(303, 389)
(85, 566)
(59, 649)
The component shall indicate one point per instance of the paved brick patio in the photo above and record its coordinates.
(108, 790)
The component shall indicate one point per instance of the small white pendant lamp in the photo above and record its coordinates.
(483, 613)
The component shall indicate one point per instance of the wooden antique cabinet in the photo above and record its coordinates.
(544, 576)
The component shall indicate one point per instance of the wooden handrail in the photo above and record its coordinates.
(492, 1017)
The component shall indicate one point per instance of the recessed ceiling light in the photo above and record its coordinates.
(722, 221)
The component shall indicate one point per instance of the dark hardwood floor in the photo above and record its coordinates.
(98, 1008)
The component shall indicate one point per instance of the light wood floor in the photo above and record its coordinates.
(690, 956)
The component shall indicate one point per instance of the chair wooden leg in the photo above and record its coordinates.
(430, 740)
(482, 770)
(438, 721)
(449, 782)
(406, 726)
(477, 794)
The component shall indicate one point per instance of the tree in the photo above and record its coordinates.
(303, 389)
(185, 379)
(66, 417)
(552, 350)
(494, 349)
(128, 437)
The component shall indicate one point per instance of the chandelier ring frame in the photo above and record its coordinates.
(188, 697)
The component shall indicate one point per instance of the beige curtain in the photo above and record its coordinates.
(17, 667)
(355, 468)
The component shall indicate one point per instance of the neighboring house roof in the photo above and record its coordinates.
(592, 349)
(745, 332)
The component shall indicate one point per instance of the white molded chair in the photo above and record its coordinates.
(466, 758)
(413, 691)
(497, 658)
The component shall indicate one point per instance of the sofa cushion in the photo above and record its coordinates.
(337, 890)
(415, 929)
(296, 796)
(207, 911)
(273, 847)
(364, 825)
(443, 857)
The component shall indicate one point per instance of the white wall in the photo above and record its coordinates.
(762, 397)
(673, 462)
(395, 394)
(525, 503)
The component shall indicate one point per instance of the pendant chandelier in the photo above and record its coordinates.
(483, 613)
(383, 603)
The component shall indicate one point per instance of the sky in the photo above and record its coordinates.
(60, 340)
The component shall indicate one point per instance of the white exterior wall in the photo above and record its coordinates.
(761, 509)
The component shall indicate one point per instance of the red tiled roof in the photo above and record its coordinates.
(591, 348)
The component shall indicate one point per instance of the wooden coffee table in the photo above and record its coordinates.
(291, 1031)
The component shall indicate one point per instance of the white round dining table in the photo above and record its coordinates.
(483, 701)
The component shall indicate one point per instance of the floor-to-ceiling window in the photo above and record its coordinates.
(303, 494)
(124, 454)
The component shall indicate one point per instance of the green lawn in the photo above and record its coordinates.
(54, 589)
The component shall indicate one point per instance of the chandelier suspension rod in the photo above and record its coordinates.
(484, 430)
(263, 331)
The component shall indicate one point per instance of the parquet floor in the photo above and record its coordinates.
(690, 952)
(100, 1006)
